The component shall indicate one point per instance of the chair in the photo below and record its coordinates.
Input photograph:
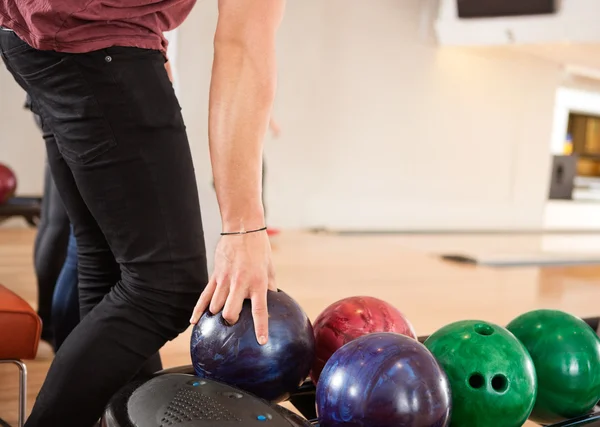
(20, 330)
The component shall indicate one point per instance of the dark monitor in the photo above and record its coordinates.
(498, 8)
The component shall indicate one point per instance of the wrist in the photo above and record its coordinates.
(243, 222)
(244, 232)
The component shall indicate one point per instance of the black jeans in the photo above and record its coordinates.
(120, 158)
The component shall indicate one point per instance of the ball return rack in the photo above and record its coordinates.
(304, 398)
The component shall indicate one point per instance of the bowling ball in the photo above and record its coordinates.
(383, 380)
(491, 374)
(231, 353)
(8, 183)
(566, 354)
(351, 318)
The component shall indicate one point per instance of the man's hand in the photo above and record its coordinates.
(248, 258)
(169, 71)
(241, 99)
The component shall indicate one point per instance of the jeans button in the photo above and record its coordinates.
(108, 58)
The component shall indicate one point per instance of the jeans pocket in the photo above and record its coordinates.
(66, 100)
(13, 50)
(11, 44)
(146, 88)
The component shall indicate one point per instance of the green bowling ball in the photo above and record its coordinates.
(491, 375)
(566, 354)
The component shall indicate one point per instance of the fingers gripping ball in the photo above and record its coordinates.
(243, 269)
(232, 354)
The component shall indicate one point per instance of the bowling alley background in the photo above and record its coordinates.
(442, 156)
(395, 115)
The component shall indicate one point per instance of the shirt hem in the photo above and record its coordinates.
(92, 45)
(84, 46)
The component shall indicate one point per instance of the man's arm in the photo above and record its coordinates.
(241, 98)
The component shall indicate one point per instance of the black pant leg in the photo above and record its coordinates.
(122, 162)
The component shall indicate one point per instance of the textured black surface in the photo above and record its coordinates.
(592, 420)
(184, 400)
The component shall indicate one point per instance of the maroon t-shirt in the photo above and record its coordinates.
(78, 26)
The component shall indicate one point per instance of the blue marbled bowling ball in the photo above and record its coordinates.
(231, 353)
(383, 380)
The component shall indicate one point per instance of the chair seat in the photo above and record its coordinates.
(20, 327)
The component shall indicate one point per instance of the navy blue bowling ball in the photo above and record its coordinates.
(383, 380)
(231, 353)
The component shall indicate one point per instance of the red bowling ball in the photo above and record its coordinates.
(8, 183)
(351, 318)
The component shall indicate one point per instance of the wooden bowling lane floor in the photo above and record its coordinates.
(318, 269)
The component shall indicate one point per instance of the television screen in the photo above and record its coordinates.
(497, 8)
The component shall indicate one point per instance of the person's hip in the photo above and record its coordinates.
(10, 42)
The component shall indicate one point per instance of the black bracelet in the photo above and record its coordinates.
(243, 232)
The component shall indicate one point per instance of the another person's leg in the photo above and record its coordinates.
(120, 157)
(50, 250)
(65, 304)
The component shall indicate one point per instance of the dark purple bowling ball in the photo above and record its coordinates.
(231, 353)
(383, 380)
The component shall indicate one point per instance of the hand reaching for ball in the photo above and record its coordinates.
(243, 270)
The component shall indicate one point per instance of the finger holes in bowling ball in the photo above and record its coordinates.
(476, 380)
(499, 383)
(483, 329)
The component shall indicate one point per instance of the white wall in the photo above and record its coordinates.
(383, 130)
(380, 128)
(21, 143)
